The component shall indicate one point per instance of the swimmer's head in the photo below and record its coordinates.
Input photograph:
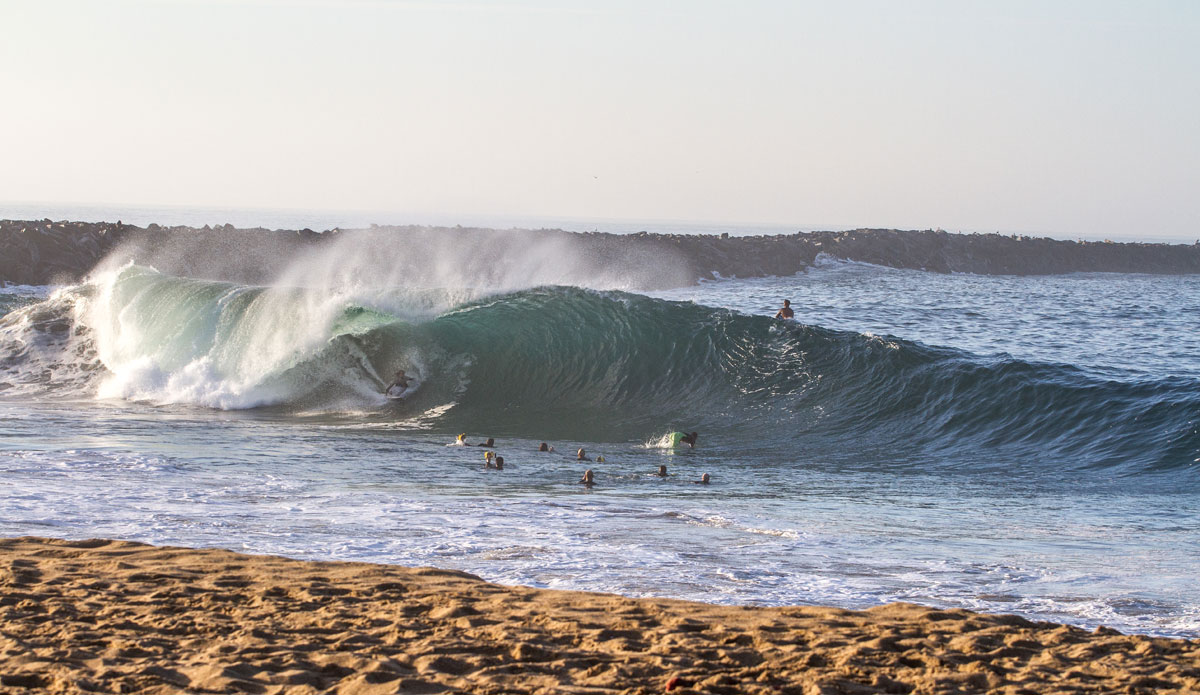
(544, 447)
(462, 436)
(662, 471)
(704, 480)
(580, 454)
(487, 455)
(599, 459)
(499, 462)
(588, 478)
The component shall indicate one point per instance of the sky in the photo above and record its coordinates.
(1056, 118)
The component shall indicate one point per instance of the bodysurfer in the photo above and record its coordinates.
(786, 312)
(678, 438)
(401, 383)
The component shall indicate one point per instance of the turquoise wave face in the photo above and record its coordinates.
(567, 363)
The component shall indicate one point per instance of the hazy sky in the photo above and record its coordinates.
(1062, 118)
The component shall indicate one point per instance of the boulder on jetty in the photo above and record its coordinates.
(46, 252)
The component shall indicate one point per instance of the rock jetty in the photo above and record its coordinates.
(47, 252)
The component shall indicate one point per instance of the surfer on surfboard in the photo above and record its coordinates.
(400, 385)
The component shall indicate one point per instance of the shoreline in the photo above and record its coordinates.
(109, 615)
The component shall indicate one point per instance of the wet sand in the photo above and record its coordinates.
(114, 616)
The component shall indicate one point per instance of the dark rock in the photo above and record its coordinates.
(45, 252)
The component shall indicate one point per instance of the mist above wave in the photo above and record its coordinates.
(413, 257)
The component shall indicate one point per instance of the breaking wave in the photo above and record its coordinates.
(563, 362)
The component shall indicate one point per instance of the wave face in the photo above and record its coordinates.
(567, 363)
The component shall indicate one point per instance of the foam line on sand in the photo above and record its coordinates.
(115, 616)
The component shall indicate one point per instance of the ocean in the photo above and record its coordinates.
(1025, 445)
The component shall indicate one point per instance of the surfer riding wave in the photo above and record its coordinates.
(399, 386)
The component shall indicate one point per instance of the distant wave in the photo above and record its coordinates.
(559, 362)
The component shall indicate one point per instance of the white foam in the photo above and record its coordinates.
(719, 521)
(227, 352)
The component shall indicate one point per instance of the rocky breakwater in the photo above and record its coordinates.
(935, 251)
(46, 252)
(996, 254)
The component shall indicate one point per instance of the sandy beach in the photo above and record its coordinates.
(115, 616)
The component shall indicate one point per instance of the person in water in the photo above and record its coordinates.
(490, 443)
(704, 480)
(588, 478)
(581, 455)
(400, 383)
(678, 438)
(462, 440)
(545, 447)
(487, 458)
(662, 471)
(500, 463)
(786, 312)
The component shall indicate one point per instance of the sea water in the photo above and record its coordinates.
(1005, 444)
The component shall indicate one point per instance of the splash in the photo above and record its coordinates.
(464, 259)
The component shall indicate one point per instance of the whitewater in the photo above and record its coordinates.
(1023, 445)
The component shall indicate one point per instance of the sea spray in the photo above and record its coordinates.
(177, 340)
(413, 257)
